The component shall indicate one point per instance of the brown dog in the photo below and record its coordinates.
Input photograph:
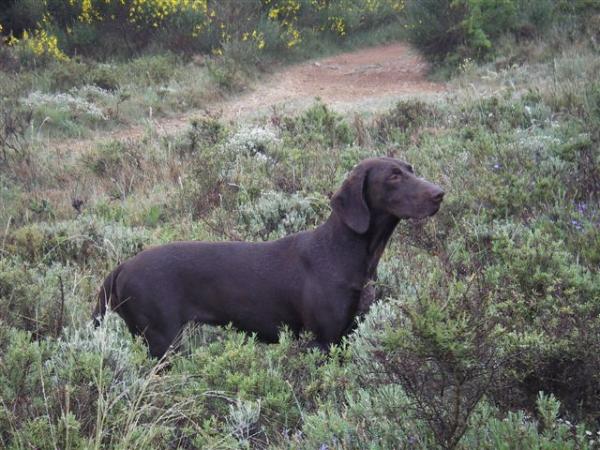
(311, 280)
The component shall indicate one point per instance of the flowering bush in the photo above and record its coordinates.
(76, 26)
(253, 141)
(63, 102)
(42, 44)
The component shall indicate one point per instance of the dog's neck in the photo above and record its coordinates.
(365, 249)
(380, 230)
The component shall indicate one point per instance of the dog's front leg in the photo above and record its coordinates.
(328, 313)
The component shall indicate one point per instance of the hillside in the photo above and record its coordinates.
(486, 326)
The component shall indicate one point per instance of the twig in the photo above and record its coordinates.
(59, 325)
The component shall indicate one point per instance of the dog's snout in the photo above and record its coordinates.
(437, 195)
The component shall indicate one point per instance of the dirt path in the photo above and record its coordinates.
(362, 80)
(358, 80)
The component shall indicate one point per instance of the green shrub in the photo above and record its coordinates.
(203, 189)
(535, 16)
(76, 241)
(464, 28)
(118, 163)
(46, 280)
(154, 69)
(435, 27)
(104, 77)
(547, 295)
(20, 386)
(456, 31)
(261, 142)
(368, 418)
(64, 111)
(22, 15)
(203, 132)
(110, 158)
(91, 388)
(405, 117)
(227, 167)
(226, 72)
(318, 126)
(250, 390)
(15, 119)
(491, 430)
(276, 214)
(67, 75)
(40, 298)
(441, 346)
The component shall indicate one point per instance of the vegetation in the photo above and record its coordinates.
(487, 326)
(159, 58)
(59, 29)
(454, 30)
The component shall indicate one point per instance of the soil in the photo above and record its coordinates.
(357, 80)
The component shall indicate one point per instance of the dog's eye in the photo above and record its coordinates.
(395, 176)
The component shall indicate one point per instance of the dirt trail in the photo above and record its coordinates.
(366, 79)
(356, 80)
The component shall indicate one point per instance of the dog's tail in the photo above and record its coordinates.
(107, 296)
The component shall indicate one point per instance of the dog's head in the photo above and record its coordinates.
(384, 185)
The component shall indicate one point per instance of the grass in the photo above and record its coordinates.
(495, 298)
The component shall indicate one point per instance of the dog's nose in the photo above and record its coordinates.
(437, 195)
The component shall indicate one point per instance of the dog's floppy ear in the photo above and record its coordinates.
(350, 203)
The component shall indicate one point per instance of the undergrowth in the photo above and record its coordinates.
(486, 330)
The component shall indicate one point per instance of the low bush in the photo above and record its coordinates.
(14, 123)
(405, 118)
(90, 388)
(65, 111)
(320, 126)
(275, 215)
(77, 241)
(459, 30)
(443, 346)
